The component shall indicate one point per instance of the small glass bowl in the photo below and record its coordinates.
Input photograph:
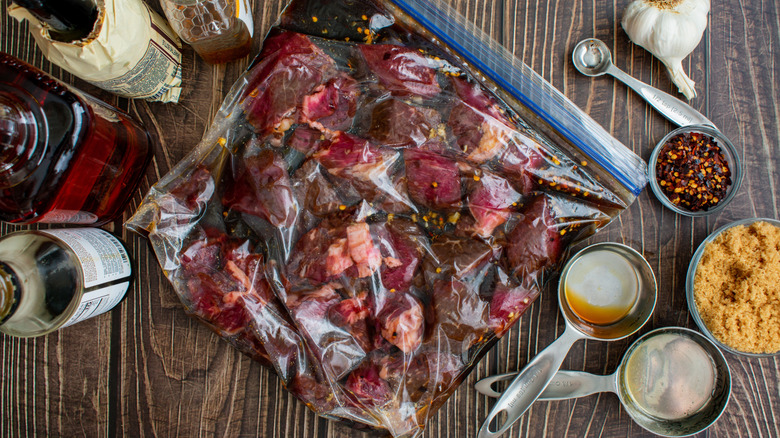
(729, 152)
(689, 280)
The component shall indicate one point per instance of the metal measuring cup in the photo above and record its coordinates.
(537, 374)
(573, 384)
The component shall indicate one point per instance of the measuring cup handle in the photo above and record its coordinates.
(576, 384)
(563, 386)
(485, 386)
(671, 107)
(529, 384)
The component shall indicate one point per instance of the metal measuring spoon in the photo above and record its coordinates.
(592, 57)
(574, 384)
(537, 374)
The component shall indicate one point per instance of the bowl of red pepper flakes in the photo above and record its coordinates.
(695, 170)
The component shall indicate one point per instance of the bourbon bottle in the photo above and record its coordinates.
(65, 157)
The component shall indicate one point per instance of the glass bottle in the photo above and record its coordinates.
(65, 157)
(51, 279)
(68, 20)
(219, 30)
(121, 46)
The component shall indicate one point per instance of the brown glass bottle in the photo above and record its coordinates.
(65, 157)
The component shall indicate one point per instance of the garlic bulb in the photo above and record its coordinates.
(670, 30)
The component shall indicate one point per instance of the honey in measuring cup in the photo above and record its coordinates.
(601, 287)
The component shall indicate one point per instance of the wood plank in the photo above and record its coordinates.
(40, 394)
(149, 370)
(57, 384)
(743, 98)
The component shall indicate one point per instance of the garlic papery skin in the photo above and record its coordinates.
(670, 30)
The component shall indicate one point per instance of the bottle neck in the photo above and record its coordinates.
(68, 20)
(23, 135)
(10, 292)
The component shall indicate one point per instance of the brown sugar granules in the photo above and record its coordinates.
(737, 287)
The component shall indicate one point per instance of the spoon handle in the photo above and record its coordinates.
(563, 386)
(528, 385)
(669, 106)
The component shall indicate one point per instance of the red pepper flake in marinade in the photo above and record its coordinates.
(693, 172)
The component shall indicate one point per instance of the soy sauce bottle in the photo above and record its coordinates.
(65, 157)
(51, 279)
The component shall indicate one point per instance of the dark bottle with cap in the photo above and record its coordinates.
(65, 157)
(68, 20)
(51, 279)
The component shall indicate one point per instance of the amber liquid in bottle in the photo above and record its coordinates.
(227, 47)
(64, 157)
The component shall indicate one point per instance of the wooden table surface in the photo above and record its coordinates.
(146, 369)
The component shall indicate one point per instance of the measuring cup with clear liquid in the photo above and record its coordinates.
(607, 292)
(672, 381)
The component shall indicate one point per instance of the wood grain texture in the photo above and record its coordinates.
(147, 369)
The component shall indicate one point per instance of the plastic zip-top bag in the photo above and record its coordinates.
(377, 203)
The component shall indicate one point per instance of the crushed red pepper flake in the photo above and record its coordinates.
(693, 172)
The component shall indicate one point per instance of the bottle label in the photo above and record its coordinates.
(157, 75)
(244, 13)
(132, 51)
(98, 301)
(105, 265)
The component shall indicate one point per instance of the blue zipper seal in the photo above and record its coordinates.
(631, 172)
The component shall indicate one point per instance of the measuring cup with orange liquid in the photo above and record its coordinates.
(607, 292)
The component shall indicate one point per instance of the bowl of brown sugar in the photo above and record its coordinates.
(733, 287)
